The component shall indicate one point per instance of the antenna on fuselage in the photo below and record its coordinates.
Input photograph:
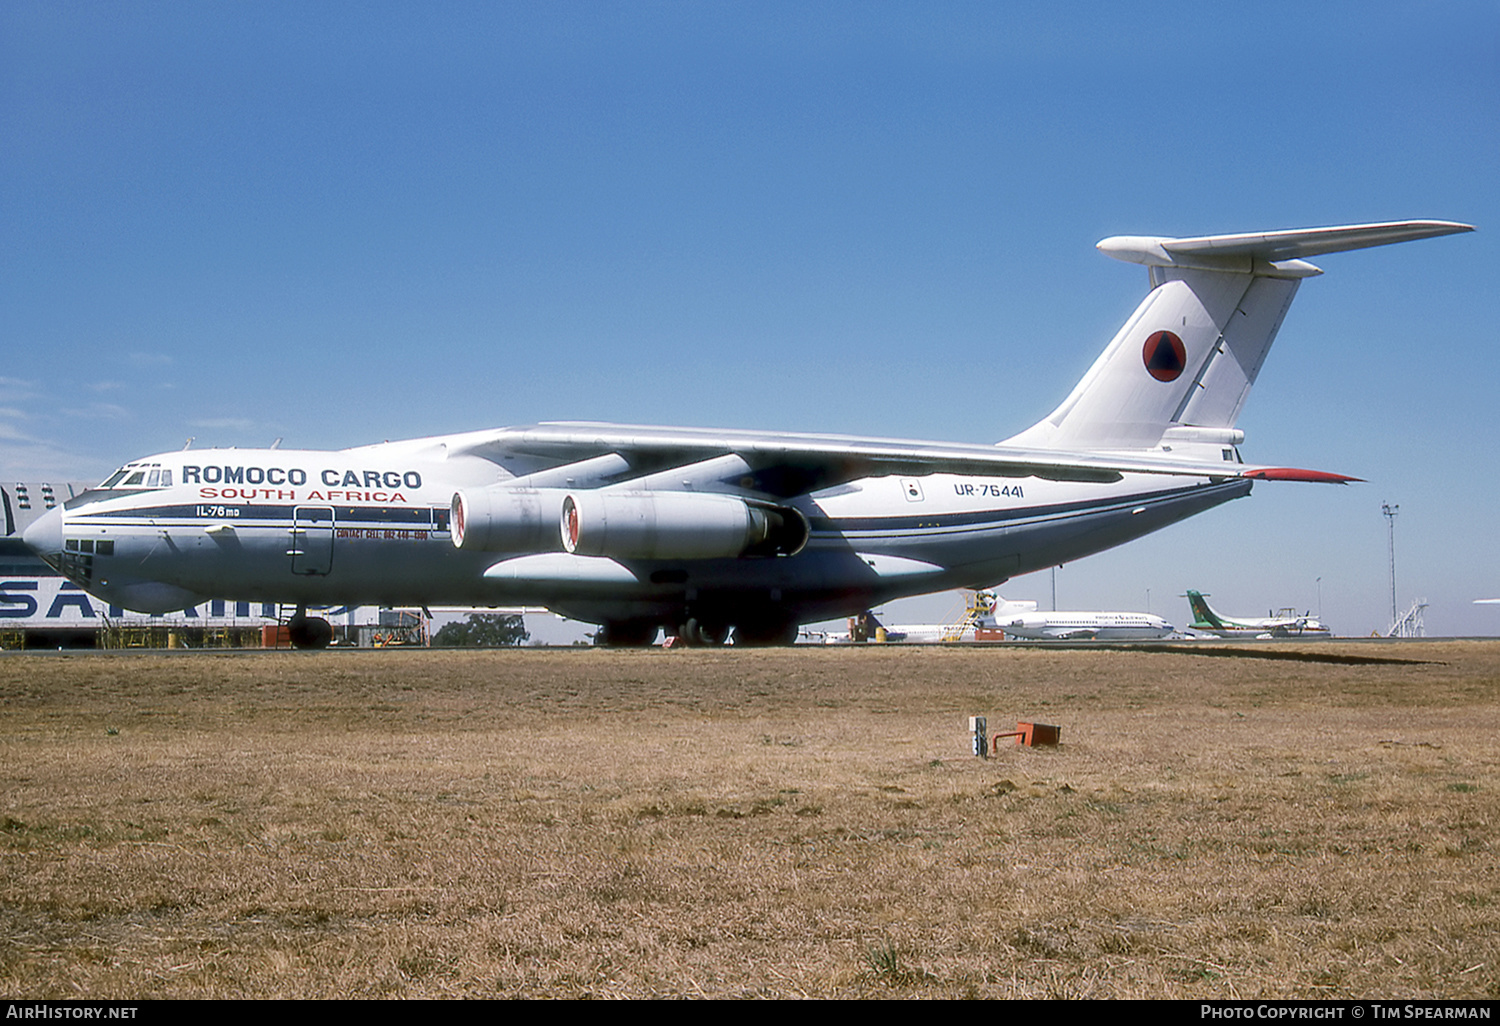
(276, 444)
(188, 444)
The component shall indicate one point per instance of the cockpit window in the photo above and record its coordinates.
(138, 475)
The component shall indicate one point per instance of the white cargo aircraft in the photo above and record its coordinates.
(701, 531)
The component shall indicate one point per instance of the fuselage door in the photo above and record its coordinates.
(311, 545)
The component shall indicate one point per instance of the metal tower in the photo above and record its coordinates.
(1389, 512)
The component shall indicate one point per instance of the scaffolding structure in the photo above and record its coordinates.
(1409, 624)
(979, 605)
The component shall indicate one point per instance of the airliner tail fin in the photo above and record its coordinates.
(1178, 373)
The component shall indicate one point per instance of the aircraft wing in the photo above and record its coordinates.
(791, 464)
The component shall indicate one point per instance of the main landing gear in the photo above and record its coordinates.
(698, 632)
(759, 632)
(766, 633)
(626, 634)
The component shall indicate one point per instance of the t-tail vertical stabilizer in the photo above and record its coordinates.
(1204, 618)
(1176, 376)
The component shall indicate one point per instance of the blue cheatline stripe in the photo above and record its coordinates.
(37, 569)
(260, 514)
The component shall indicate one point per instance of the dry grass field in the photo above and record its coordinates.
(788, 823)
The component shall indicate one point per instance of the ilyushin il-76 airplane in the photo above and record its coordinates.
(704, 532)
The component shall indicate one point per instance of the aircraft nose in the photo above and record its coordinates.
(44, 536)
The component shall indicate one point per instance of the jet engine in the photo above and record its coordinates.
(678, 525)
(506, 519)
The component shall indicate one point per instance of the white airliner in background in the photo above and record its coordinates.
(701, 531)
(1023, 620)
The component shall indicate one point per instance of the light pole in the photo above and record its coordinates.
(1389, 512)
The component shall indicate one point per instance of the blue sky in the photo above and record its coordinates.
(338, 223)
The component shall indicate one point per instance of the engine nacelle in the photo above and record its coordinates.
(506, 519)
(678, 525)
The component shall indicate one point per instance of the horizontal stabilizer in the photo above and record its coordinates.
(1271, 247)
